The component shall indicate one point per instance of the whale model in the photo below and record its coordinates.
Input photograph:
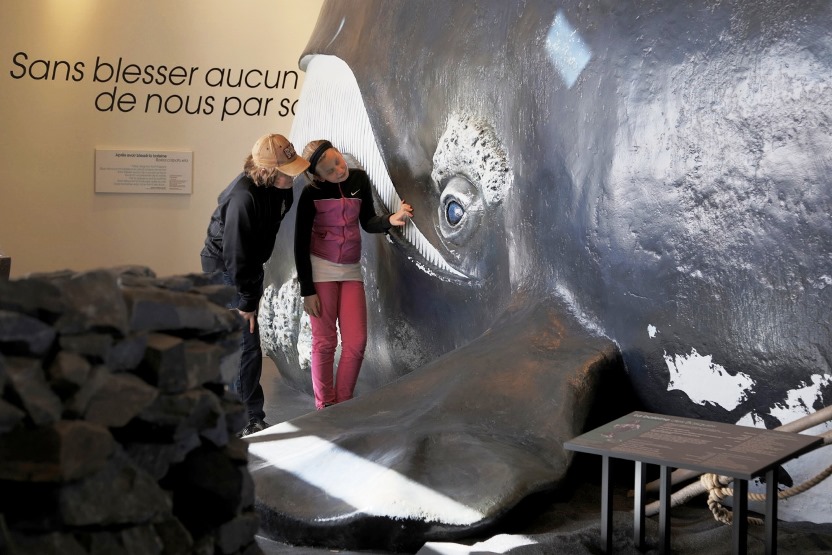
(599, 189)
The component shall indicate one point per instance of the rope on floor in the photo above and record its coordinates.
(718, 490)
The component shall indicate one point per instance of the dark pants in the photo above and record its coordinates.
(247, 384)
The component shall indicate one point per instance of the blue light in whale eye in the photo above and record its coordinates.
(454, 212)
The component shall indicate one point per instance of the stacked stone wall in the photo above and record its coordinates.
(117, 433)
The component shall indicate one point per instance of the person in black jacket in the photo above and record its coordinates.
(240, 240)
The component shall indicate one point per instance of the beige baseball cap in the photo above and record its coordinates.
(275, 151)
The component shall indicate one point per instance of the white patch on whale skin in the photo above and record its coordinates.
(344, 475)
(566, 49)
(799, 402)
(651, 331)
(706, 382)
(283, 325)
(822, 282)
(813, 504)
(469, 146)
(276, 318)
(304, 344)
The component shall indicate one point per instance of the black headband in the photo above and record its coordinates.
(316, 156)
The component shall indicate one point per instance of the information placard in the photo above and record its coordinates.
(143, 171)
(702, 445)
(739, 452)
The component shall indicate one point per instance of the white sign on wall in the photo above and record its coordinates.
(143, 171)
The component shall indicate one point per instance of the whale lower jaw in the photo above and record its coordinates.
(442, 452)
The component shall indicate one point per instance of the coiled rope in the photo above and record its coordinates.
(718, 490)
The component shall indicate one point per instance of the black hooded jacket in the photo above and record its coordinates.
(242, 233)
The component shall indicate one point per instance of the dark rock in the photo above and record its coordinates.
(32, 297)
(230, 359)
(5, 538)
(55, 543)
(174, 283)
(208, 490)
(202, 279)
(164, 363)
(136, 540)
(182, 283)
(156, 458)
(94, 302)
(141, 540)
(236, 416)
(204, 545)
(30, 507)
(66, 450)
(210, 421)
(237, 533)
(177, 416)
(185, 282)
(10, 416)
(130, 271)
(202, 363)
(28, 381)
(120, 493)
(140, 407)
(237, 449)
(5, 267)
(161, 310)
(77, 404)
(175, 537)
(93, 345)
(126, 354)
(219, 294)
(68, 372)
(23, 335)
(51, 277)
(118, 399)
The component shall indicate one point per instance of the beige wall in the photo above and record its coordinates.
(51, 218)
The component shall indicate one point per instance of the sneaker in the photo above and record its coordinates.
(254, 425)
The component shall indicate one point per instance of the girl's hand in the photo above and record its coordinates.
(312, 305)
(400, 218)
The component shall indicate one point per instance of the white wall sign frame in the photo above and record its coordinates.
(144, 171)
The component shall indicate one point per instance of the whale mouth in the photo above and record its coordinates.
(330, 88)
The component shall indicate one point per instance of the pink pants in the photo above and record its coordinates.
(342, 302)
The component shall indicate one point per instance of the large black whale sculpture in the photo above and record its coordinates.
(597, 186)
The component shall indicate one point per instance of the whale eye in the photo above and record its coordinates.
(454, 212)
(460, 210)
(472, 175)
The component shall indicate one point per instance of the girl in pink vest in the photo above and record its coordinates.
(328, 260)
